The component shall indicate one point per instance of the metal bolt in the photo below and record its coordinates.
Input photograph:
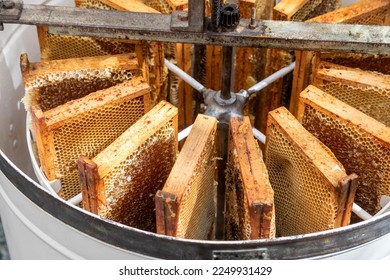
(7, 4)
(182, 17)
(253, 24)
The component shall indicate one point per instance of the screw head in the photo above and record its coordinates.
(7, 4)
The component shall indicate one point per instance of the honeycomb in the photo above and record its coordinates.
(94, 4)
(191, 186)
(370, 12)
(160, 5)
(304, 175)
(302, 10)
(370, 62)
(366, 91)
(360, 142)
(62, 46)
(313, 8)
(135, 166)
(50, 88)
(54, 47)
(51, 84)
(249, 197)
(85, 127)
(53, 89)
(372, 19)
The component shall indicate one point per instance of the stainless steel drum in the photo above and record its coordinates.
(39, 226)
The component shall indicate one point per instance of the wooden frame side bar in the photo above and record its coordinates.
(348, 187)
(166, 213)
(89, 179)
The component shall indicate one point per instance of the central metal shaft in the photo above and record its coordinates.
(223, 135)
(227, 70)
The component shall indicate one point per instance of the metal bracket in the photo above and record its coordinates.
(191, 20)
(179, 21)
(10, 10)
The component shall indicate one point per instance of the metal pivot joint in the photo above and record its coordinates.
(224, 109)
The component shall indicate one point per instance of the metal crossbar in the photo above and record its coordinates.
(176, 28)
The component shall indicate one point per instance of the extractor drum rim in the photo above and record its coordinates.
(303, 246)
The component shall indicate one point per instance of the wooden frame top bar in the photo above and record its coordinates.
(319, 99)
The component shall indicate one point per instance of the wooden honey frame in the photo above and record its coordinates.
(33, 70)
(354, 14)
(326, 71)
(258, 194)
(191, 160)
(94, 171)
(349, 114)
(185, 99)
(124, 5)
(351, 117)
(251, 62)
(373, 83)
(44, 123)
(286, 9)
(320, 158)
(178, 4)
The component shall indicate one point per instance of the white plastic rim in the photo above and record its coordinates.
(38, 225)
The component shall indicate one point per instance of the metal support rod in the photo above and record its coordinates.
(226, 72)
(270, 79)
(258, 135)
(184, 133)
(76, 199)
(360, 212)
(183, 75)
(223, 135)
